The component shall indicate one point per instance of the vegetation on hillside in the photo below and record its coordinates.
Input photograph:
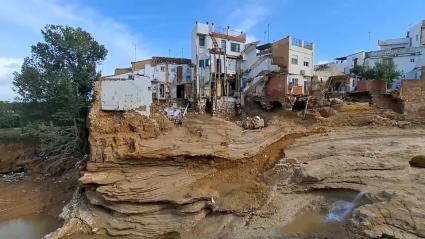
(55, 86)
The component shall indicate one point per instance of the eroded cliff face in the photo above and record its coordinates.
(149, 178)
(209, 178)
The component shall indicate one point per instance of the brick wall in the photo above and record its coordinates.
(275, 87)
(371, 85)
(413, 94)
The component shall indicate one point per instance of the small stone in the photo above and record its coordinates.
(418, 161)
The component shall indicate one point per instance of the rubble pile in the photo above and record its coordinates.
(255, 122)
(384, 121)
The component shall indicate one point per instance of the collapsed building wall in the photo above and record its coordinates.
(388, 101)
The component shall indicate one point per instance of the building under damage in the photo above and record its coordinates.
(276, 70)
(156, 80)
(223, 71)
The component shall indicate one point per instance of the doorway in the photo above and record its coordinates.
(180, 91)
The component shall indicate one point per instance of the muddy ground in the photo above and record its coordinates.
(36, 186)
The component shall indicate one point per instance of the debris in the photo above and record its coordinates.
(327, 112)
(13, 177)
(253, 123)
(176, 113)
(336, 101)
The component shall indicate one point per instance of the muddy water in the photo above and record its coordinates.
(315, 221)
(31, 227)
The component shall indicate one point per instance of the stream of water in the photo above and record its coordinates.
(326, 223)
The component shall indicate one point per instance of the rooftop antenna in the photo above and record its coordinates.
(369, 40)
(169, 53)
(268, 32)
(135, 52)
(182, 52)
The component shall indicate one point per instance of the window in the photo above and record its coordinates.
(201, 40)
(306, 62)
(294, 59)
(412, 60)
(204, 63)
(294, 82)
(417, 37)
(235, 47)
(162, 68)
(161, 91)
(223, 45)
(355, 60)
(387, 60)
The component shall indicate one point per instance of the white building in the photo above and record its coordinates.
(128, 91)
(346, 63)
(216, 52)
(408, 54)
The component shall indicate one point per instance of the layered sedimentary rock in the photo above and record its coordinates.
(376, 163)
(147, 177)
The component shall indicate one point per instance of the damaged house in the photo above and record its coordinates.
(217, 53)
(155, 80)
(126, 91)
(276, 70)
(171, 77)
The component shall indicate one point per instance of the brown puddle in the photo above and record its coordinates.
(31, 227)
(316, 222)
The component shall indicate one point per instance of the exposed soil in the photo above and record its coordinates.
(44, 188)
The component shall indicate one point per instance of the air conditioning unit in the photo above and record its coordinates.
(302, 72)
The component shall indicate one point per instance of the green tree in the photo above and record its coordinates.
(386, 71)
(57, 80)
(60, 72)
(358, 70)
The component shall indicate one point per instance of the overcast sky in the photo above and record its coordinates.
(164, 27)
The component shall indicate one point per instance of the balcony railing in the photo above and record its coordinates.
(308, 45)
(225, 31)
(394, 52)
(296, 42)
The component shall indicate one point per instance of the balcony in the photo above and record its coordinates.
(301, 43)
